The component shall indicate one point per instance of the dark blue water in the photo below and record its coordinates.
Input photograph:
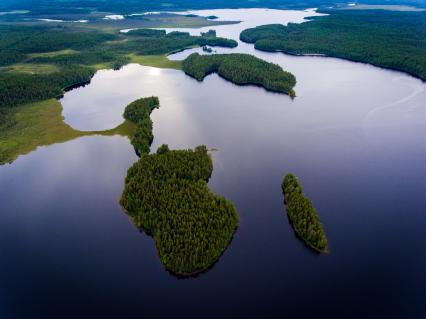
(68, 251)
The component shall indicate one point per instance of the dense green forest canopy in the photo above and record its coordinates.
(395, 40)
(24, 88)
(302, 214)
(242, 69)
(167, 196)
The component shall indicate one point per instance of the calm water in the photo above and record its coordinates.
(354, 135)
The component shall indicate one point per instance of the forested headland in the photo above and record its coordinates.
(389, 39)
(139, 113)
(167, 196)
(302, 214)
(241, 69)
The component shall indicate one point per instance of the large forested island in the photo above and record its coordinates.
(302, 214)
(241, 69)
(395, 40)
(167, 196)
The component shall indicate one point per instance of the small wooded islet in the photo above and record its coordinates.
(302, 214)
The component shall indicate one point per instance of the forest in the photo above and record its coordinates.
(21, 88)
(389, 39)
(302, 214)
(241, 69)
(167, 196)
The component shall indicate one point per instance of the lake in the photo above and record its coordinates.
(354, 135)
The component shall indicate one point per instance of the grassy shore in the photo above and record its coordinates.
(33, 68)
(41, 124)
(158, 61)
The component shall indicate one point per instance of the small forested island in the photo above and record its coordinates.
(167, 196)
(302, 214)
(389, 39)
(241, 69)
